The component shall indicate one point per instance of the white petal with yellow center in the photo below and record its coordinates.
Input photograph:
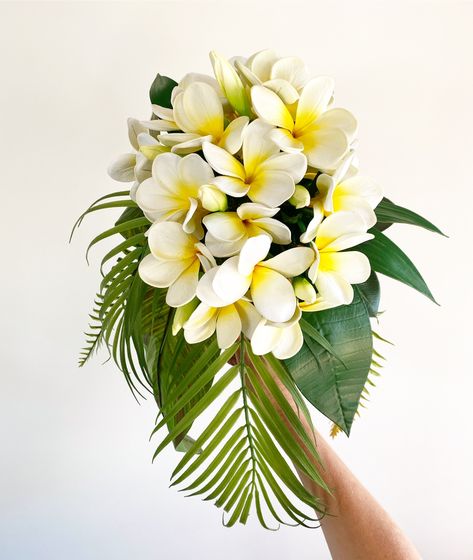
(182, 290)
(254, 251)
(223, 162)
(228, 326)
(313, 101)
(229, 284)
(270, 107)
(167, 240)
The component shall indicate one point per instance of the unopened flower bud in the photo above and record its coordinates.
(304, 290)
(213, 199)
(182, 314)
(231, 84)
(301, 197)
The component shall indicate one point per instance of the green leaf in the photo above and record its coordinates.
(331, 386)
(160, 91)
(370, 293)
(388, 213)
(388, 259)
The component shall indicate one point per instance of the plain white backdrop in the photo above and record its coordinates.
(76, 477)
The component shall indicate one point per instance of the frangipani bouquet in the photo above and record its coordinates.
(246, 272)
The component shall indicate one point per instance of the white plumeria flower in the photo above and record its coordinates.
(228, 231)
(347, 191)
(271, 291)
(213, 315)
(334, 270)
(136, 166)
(284, 340)
(322, 134)
(174, 262)
(266, 176)
(285, 76)
(172, 193)
(198, 112)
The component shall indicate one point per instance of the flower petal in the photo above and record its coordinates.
(293, 164)
(226, 226)
(269, 107)
(135, 128)
(360, 185)
(279, 232)
(201, 324)
(223, 162)
(334, 232)
(249, 317)
(233, 135)
(228, 326)
(261, 63)
(228, 283)
(352, 265)
(355, 204)
(231, 185)
(220, 248)
(161, 273)
(167, 240)
(271, 188)
(283, 89)
(182, 291)
(166, 171)
(272, 294)
(286, 141)
(334, 288)
(324, 148)
(314, 223)
(292, 69)
(313, 101)
(203, 109)
(289, 343)
(257, 145)
(205, 291)
(253, 210)
(123, 168)
(265, 338)
(338, 118)
(253, 251)
(292, 262)
(194, 171)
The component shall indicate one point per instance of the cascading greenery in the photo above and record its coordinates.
(242, 458)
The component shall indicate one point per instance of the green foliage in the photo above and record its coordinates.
(241, 459)
(370, 293)
(333, 383)
(160, 91)
(388, 213)
(387, 258)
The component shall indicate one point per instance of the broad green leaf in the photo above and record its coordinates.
(388, 259)
(160, 91)
(331, 386)
(388, 213)
(370, 293)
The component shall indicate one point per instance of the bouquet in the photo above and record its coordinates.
(245, 270)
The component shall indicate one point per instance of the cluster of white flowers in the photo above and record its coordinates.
(212, 172)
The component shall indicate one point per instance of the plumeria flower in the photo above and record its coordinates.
(284, 340)
(285, 76)
(198, 112)
(136, 166)
(213, 315)
(271, 291)
(345, 190)
(172, 193)
(228, 231)
(266, 175)
(174, 262)
(334, 269)
(322, 134)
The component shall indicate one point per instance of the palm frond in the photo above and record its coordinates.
(242, 459)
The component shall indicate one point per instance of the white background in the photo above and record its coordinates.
(76, 477)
